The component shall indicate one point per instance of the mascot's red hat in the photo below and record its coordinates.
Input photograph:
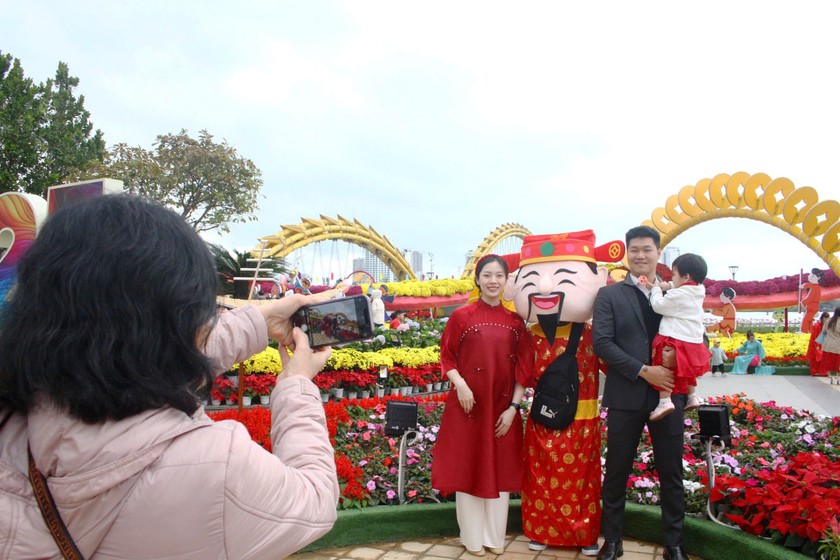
(573, 246)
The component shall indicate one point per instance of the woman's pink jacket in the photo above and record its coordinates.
(163, 485)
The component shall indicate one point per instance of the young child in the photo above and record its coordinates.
(718, 357)
(679, 344)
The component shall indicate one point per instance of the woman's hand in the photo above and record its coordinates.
(505, 421)
(305, 361)
(278, 314)
(465, 396)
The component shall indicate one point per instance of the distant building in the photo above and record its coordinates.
(415, 261)
(375, 267)
(669, 254)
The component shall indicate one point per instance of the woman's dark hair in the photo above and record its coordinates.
(487, 259)
(824, 315)
(749, 334)
(818, 273)
(728, 292)
(689, 264)
(112, 304)
(833, 320)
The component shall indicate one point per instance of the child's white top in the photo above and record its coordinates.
(682, 311)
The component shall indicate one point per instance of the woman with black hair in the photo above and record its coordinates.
(485, 353)
(107, 348)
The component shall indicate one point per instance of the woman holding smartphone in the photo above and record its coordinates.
(485, 353)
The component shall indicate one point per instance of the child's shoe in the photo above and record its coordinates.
(693, 402)
(663, 409)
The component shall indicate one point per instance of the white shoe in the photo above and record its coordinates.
(693, 403)
(591, 550)
(497, 550)
(662, 410)
(534, 545)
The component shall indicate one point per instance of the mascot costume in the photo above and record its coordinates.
(554, 289)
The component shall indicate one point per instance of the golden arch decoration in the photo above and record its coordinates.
(797, 211)
(293, 237)
(497, 235)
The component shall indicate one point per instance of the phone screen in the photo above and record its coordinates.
(337, 321)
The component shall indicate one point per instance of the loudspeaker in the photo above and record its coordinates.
(714, 422)
(400, 416)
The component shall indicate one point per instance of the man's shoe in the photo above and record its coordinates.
(537, 545)
(591, 550)
(674, 553)
(611, 551)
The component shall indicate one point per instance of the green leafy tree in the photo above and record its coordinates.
(21, 118)
(207, 182)
(68, 134)
(45, 131)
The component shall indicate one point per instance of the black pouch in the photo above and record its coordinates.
(556, 396)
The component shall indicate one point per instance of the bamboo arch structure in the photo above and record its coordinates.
(293, 237)
(796, 211)
(497, 235)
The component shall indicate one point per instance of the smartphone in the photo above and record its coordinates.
(337, 321)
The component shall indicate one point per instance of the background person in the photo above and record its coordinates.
(718, 359)
(478, 453)
(623, 327)
(831, 348)
(751, 354)
(103, 383)
(815, 352)
(397, 318)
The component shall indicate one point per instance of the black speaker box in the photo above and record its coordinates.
(400, 416)
(714, 421)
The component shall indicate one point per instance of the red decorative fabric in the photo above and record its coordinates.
(561, 493)
(489, 348)
(815, 353)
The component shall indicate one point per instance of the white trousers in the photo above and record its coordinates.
(483, 522)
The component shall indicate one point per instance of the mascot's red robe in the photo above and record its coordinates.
(561, 493)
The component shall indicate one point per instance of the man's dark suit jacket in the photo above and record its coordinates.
(620, 339)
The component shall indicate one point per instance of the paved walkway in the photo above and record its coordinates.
(516, 548)
(803, 392)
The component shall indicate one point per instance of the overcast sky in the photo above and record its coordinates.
(436, 122)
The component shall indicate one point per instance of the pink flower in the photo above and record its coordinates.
(412, 493)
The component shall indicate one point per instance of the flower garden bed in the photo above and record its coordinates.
(767, 439)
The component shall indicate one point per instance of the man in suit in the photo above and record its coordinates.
(623, 328)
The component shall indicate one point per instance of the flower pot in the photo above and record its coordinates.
(415, 389)
(338, 392)
(352, 394)
(405, 390)
(396, 390)
(365, 395)
(228, 400)
(265, 399)
(234, 378)
(437, 386)
(325, 397)
(380, 392)
(216, 402)
(428, 387)
(246, 400)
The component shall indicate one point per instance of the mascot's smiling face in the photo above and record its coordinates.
(555, 292)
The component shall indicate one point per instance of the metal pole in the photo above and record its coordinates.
(401, 469)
